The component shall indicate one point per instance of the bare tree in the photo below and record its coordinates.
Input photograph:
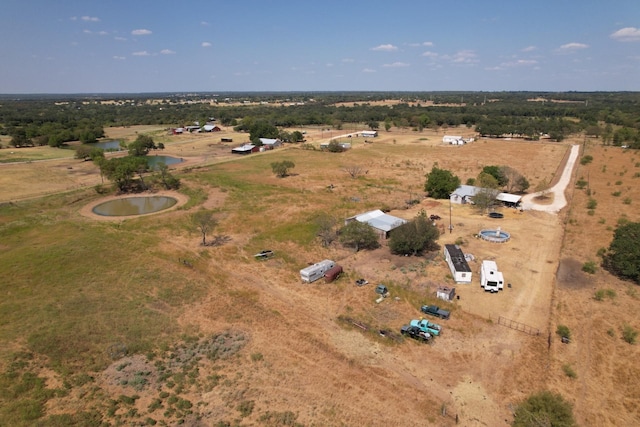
(354, 171)
(327, 229)
(204, 222)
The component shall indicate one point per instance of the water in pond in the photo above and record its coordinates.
(107, 145)
(154, 161)
(134, 206)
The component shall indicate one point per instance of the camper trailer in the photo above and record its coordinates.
(490, 278)
(316, 271)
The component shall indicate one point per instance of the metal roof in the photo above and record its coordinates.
(380, 220)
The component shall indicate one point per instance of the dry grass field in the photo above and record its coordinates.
(312, 354)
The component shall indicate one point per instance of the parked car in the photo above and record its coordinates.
(415, 333)
(434, 310)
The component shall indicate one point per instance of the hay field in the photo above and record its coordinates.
(295, 351)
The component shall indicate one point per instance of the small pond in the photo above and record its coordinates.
(154, 161)
(134, 206)
(107, 145)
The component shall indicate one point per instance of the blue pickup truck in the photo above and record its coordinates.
(426, 326)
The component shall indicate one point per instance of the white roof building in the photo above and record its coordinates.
(379, 220)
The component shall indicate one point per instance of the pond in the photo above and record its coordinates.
(134, 206)
(107, 145)
(154, 161)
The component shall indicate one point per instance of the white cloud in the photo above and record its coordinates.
(348, 60)
(628, 34)
(430, 54)
(204, 23)
(141, 32)
(385, 48)
(396, 65)
(573, 46)
(119, 58)
(103, 33)
(141, 53)
(429, 44)
(90, 19)
(74, 18)
(167, 52)
(368, 70)
(464, 57)
(205, 44)
(519, 63)
(120, 39)
(529, 49)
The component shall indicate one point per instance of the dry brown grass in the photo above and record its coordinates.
(334, 373)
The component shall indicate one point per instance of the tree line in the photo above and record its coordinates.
(614, 116)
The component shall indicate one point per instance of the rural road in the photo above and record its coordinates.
(559, 200)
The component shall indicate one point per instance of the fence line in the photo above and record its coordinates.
(518, 326)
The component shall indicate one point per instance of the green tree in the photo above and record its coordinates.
(166, 178)
(262, 129)
(141, 146)
(281, 169)
(623, 257)
(297, 136)
(414, 236)
(498, 173)
(335, 147)
(544, 409)
(121, 170)
(204, 222)
(359, 235)
(441, 183)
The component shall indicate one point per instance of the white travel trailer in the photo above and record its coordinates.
(316, 271)
(490, 278)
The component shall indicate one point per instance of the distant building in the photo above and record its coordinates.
(369, 133)
(270, 143)
(245, 149)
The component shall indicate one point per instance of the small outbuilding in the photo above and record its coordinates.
(369, 133)
(446, 293)
(245, 149)
(381, 222)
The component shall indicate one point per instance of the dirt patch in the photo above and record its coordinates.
(571, 276)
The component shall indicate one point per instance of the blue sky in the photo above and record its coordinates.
(108, 46)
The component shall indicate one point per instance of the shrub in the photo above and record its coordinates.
(592, 203)
(585, 160)
(627, 201)
(581, 183)
(568, 371)
(563, 331)
(589, 267)
(629, 334)
(544, 409)
(616, 193)
(246, 408)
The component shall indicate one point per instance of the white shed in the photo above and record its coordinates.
(445, 293)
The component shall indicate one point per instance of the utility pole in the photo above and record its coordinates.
(450, 209)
